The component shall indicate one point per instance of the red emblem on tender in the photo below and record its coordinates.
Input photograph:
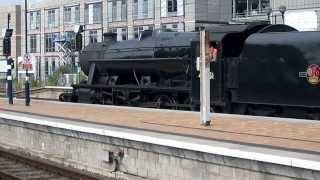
(313, 74)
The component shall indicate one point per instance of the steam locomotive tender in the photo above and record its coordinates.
(261, 69)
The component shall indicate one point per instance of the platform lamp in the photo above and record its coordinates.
(269, 11)
(282, 10)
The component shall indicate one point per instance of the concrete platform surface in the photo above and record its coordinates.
(288, 134)
(304, 160)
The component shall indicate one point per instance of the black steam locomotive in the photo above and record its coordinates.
(261, 69)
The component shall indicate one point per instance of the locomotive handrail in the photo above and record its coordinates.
(139, 59)
(141, 87)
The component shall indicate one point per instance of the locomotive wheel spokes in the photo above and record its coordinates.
(164, 101)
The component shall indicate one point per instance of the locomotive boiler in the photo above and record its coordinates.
(261, 69)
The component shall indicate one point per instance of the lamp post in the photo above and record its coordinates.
(26, 84)
(282, 10)
(269, 11)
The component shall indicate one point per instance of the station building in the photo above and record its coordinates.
(50, 20)
(15, 24)
(302, 14)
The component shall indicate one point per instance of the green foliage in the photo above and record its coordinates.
(54, 79)
(82, 76)
(35, 83)
(18, 85)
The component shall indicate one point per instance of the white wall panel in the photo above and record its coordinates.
(163, 8)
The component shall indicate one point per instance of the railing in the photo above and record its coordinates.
(252, 13)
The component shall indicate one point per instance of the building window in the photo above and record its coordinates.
(170, 27)
(175, 27)
(93, 13)
(136, 33)
(143, 9)
(71, 15)
(50, 41)
(52, 18)
(71, 38)
(46, 66)
(172, 6)
(67, 14)
(33, 44)
(124, 10)
(114, 10)
(124, 34)
(250, 8)
(135, 9)
(117, 10)
(34, 19)
(93, 36)
(77, 14)
(138, 30)
(53, 65)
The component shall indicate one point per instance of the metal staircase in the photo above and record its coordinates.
(64, 49)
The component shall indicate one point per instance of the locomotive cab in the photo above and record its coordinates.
(229, 40)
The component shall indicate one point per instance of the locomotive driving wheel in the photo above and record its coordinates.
(164, 101)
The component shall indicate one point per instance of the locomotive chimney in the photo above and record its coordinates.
(109, 37)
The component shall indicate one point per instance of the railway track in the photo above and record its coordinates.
(14, 166)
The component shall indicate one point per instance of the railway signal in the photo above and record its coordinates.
(7, 42)
(7, 53)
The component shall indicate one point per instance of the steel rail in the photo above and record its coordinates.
(54, 170)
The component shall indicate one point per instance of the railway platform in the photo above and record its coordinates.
(136, 143)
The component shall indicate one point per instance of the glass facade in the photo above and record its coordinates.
(71, 15)
(58, 23)
(172, 8)
(93, 13)
(117, 10)
(143, 9)
(245, 8)
(50, 39)
(93, 36)
(71, 38)
(52, 18)
(34, 20)
(34, 46)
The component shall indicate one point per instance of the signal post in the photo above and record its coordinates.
(10, 64)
